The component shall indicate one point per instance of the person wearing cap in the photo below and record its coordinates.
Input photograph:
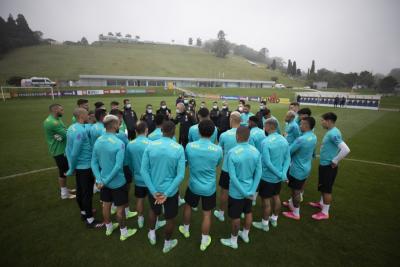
(149, 117)
(107, 164)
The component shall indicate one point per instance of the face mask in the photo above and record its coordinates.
(149, 110)
(215, 107)
(59, 115)
(186, 101)
(163, 107)
(224, 107)
(202, 105)
(261, 107)
(128, 105)
(240, 109)
(178, 111)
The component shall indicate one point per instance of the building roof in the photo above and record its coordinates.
(117, 77)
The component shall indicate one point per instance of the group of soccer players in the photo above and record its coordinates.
(256, 159)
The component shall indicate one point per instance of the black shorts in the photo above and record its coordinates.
(170, 206)
(119, 196)
(238, 206)
(268, 190)
(326, 178)
(141, 191)
(207, 202)
(224, 180)
(127, 174)
(62, 164)
(295, 183)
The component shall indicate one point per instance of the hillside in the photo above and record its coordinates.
(61, 62)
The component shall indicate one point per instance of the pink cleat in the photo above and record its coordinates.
(291, 215)
(285, 203)
(315, 205)
(320, 216)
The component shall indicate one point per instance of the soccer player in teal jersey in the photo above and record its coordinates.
(163, 169)
(295, 106)
(157, 133)
(227, 141)
(81, 103)
(292, 130)
(246, 114)
(79, 154)
(203, 157)
(194, 134)
(333, 150)
(301, 152)
(107, 164)
(268, 115)
(275, 164)
(244, 163)
(133, 156)
(56, 137)
(98, 128)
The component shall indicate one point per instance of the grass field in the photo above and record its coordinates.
(62, 62)
(41, 230)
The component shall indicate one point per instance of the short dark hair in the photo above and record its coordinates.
(168, 128)
(248, 106)
(310, 121)
(206, 128)
(114, 103)
(304, 111)
(116, 112)
(52, 106)
(329, 116)
(82, 101)
(254, 119)
(294, 104)
(242, 101)
(99, 113)
(243, 132)
(125, 100)
(203, 112)
(141, 127)
(159, 119)
(98, 104)
(267, 111)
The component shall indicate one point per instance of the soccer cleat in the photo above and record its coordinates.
(195, 209)
(172, 244)
(204, 246)
(130, 233)
(245, 239)
(261, 226)
(140, 222)
(185, 233)
(181, 201)
(242, 215)
(291, 215)
(114, 226)
(320, 216)
(72, 190)
(315, 205)
(254, 202)
(160, 224)
(219, 216)
(130, 214)
(274, 223)
(68, 196)
(113, 210)
(151, 240)
(94, 224)
(228, 242)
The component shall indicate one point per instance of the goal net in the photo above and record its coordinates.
(9, 92)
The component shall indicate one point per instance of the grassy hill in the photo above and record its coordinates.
(62, 62)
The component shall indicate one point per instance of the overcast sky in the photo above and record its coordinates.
(342, 35)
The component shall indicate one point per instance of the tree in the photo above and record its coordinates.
(312, 70)
(221, 47)
(190, 42)
(298, 72)
(118, 34)
(263, 54)
(366, 79)
(274, 78)
(137, 37)
(110, 34)
(387, 84)
(294, 68)
(84, 41)
(128, 36)
(273, 65)
(395, 73)
(198, 42)
(289, 67)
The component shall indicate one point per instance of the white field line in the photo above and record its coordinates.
(52, 168)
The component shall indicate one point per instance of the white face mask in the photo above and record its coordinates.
(224, 107)
(149, 110)
(202, 106)
(186, 101)
(128, 105)
(261, 107)
(215, 107)
(178, 111)
(240, 109)
(163, 107)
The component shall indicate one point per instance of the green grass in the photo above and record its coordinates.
(63, 62)
(38, 229)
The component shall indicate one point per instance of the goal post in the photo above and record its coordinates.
(9, 92)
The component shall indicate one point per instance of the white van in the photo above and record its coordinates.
(37, 82)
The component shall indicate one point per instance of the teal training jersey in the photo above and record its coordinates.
(244, 118)
(96, 131)
(203, 157)
(301, 153)
(256, 137)
(157, 134)
(244, 163)
(275, 158)
(134, 155)
(78, 150)
(330, 146)
(227, 141)
(292, 131)
(194, 134)
(163, 166)
(107, 161)
(272, 117)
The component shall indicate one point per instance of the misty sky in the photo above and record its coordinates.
(341, 35)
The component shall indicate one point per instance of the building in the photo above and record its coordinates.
(113, 80)
(320, 85)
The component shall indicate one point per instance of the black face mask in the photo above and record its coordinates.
(59, 115)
